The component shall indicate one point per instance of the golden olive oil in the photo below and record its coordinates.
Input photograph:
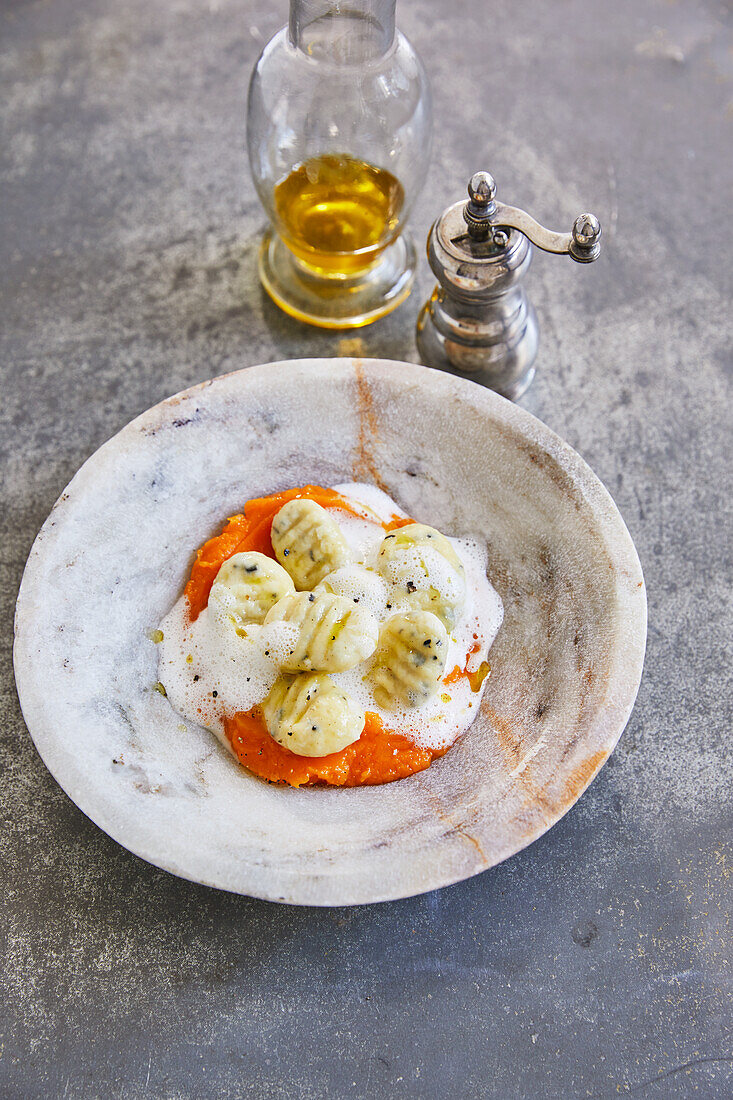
(337, 213)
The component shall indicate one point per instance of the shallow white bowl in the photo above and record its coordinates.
(117, 548)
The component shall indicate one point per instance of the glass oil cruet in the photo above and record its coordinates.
(338, 130)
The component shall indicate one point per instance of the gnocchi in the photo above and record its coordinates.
(311, 716)
(247, 586)
(410, 660)
(307, 542)
(323, 659)
(423, 565)
(334, 633)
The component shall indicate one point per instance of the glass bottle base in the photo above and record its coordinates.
(349, 302)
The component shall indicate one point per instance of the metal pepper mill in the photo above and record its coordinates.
(479, 322)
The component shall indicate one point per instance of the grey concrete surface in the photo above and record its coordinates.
(596, 962)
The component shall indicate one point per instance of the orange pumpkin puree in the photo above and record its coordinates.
(380, 755)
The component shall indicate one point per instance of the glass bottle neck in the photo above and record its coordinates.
(344, 32)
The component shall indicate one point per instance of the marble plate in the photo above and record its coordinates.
(115, 551)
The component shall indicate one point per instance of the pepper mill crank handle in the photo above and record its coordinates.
(583, 244)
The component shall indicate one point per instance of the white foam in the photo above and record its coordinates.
(209, 656)
(373, 499)
(363, 586)
(210, 670)
(362, 535)
(277, 641)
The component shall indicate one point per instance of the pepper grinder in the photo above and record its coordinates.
(479, 323)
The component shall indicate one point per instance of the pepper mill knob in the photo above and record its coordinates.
(478, 321)
(481, 188)
(481, 207)
(586, 238)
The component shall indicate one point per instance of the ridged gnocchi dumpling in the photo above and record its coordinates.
(311, 716)
(247, 586)
(410, 660)
(421, 562)
(334, 633)
(308, 542)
